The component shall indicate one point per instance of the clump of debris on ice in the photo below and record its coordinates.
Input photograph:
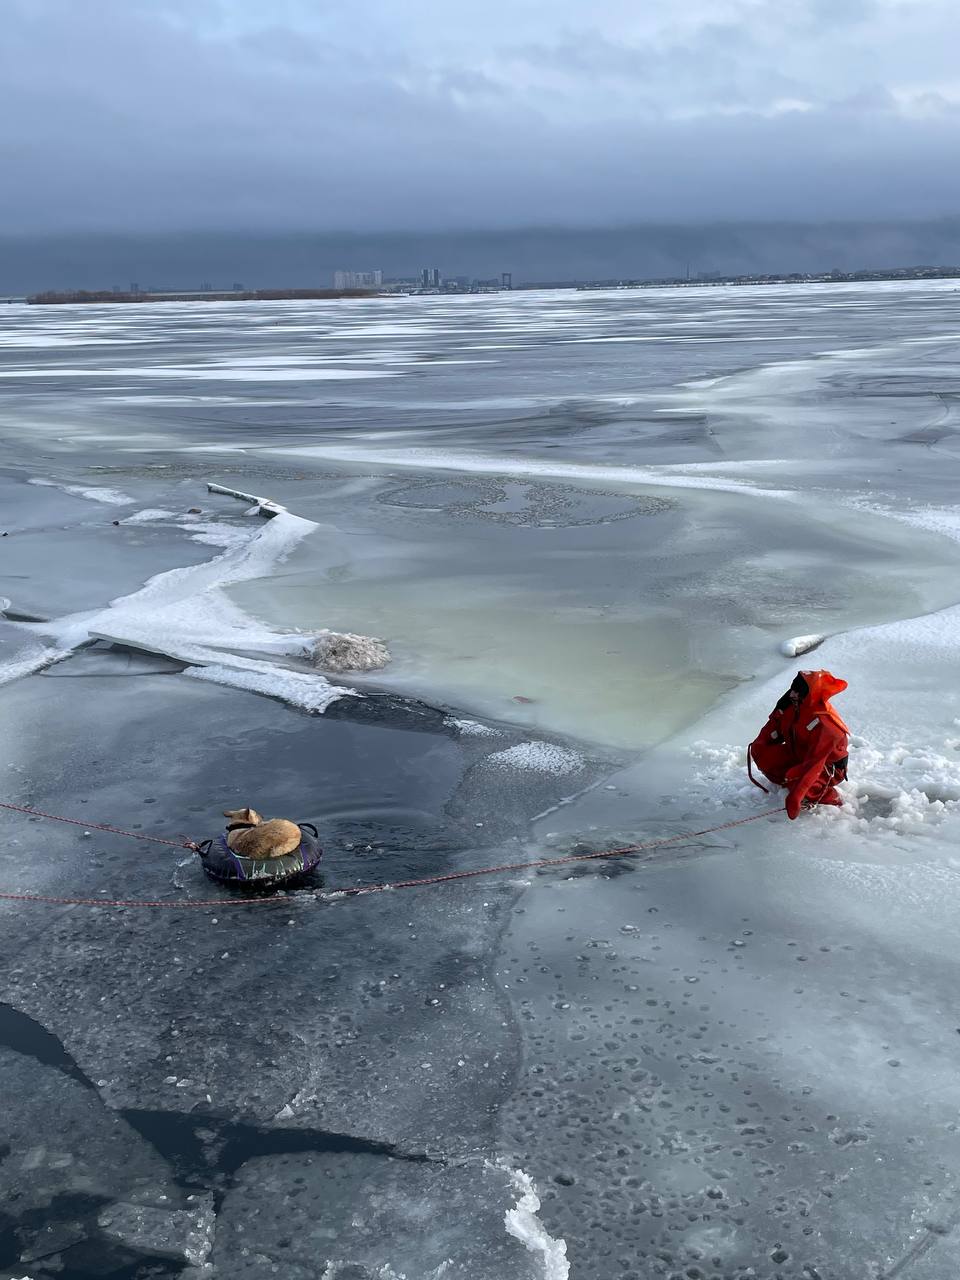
(341, 651)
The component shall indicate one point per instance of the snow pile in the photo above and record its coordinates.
(341, 651)
(540, 757)
(903, 789)
(112, 497)
(522, 1223)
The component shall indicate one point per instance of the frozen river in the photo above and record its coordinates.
(584, 524)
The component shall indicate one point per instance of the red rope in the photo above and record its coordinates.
(172, 904)
(551, 862)
(98, 826)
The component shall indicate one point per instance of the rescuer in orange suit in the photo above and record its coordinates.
(803, 745)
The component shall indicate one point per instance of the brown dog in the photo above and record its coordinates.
(251, 837)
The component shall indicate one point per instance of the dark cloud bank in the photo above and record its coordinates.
(185, 260)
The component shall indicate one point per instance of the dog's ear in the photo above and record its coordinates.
(243, 815)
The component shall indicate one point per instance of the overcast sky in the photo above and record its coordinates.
(382, 114)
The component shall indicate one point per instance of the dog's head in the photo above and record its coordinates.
(245, 816)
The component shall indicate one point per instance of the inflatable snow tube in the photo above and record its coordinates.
(226, 867)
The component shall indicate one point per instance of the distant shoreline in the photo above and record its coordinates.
(793, 277)
(74, 296)
(81, 296)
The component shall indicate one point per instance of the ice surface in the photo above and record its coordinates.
(733, 1057)
(775, 970)
(541, 618)
(215, 373)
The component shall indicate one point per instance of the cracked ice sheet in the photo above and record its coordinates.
(64, 1156)
(380, 1021)
(180, 612)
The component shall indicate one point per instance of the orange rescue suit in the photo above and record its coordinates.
(803, 745)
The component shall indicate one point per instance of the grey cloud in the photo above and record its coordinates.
(193, 113)
(872, 99)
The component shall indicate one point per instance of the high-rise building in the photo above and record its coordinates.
(357, 279)
(430, 278)
(506, 279)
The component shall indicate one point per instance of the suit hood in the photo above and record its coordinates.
(823, 685)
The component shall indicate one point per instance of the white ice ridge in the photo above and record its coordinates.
(471, 728)
(185, 615)
(522, 1223)
(308, 692)
(30, 660)
(801, 644)
(511, 465)
(96, 493)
